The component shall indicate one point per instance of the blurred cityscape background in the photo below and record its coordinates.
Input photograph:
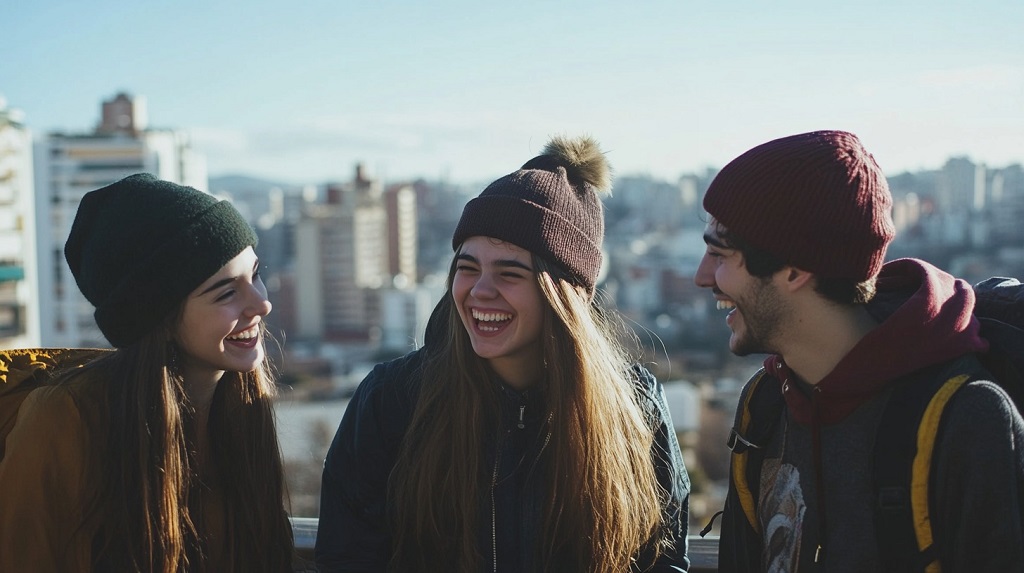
(354, 267)
(352, 133)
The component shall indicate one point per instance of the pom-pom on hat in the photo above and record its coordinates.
(817, 200)
(138, 247)
(549, 207)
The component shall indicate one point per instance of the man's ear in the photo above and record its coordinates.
(794, 279)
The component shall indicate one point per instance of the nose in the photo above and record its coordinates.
(259, 304)
(705, 275)
(483, 288)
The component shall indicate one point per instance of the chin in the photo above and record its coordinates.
(739, 347)
(245, 365)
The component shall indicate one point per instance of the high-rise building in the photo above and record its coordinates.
(341, 262)
(349, 250)
(400, 208)
(67, 166)
(19, 305)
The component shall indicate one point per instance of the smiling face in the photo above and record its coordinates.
(501, 306)
(220, 326)
(756, 311)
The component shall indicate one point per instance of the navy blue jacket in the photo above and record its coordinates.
(353, 533)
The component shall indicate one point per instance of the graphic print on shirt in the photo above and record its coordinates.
(781, 511)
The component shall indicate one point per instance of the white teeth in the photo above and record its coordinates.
(491, 316)
(725, 305)
(247, 334)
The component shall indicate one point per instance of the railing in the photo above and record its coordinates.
(703, 551)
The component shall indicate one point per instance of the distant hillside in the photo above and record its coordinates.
(241, 185)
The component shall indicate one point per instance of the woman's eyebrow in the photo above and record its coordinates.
(217, 285)
(498, 263)
(512, 263)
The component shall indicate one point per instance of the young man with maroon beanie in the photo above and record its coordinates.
(796, 238)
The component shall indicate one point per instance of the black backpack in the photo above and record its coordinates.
(901, 467)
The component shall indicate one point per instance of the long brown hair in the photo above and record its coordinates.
(148, 507)
(603, 500)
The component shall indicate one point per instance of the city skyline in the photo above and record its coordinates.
(464, 92)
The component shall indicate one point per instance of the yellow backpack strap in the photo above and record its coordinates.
(902, 460)
(760, 409)
(922, 464)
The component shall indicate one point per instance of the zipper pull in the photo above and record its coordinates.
(521, 424)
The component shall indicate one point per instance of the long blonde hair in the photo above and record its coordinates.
(148, 506)
(603, 500)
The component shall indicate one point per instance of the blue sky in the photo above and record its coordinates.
(300, 91)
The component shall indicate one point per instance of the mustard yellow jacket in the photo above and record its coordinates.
(50, 464)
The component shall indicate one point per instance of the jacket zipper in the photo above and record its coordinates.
(521, 424)
(494, 522)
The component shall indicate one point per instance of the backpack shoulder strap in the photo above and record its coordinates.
(760, 409)
(903, 455)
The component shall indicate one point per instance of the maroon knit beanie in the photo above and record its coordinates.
(818, 201)
(549, 207)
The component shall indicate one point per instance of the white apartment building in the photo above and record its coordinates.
(341, 261)
(349, 252)
(19, 305)
(67, 166)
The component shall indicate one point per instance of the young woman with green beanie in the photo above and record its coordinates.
(160, 455)
(521, 437)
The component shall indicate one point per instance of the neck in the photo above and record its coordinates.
(822, 336)
(520, 376)
(200, 387)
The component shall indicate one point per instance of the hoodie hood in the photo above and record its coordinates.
(926, 317)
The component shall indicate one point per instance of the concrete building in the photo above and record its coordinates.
(19, 305)
(400, 209)
(341, 262)
(67, 166)
(355, 265)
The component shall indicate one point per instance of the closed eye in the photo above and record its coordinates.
(225, 295)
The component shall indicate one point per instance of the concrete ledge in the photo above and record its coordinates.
(703, 551)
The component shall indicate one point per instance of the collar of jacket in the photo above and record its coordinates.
(519, 408)
(925, 318)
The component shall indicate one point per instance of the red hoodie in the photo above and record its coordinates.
(926, 318)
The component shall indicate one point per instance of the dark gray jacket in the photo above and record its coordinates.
(353, 534)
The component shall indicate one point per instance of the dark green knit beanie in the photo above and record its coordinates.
(138, 247)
